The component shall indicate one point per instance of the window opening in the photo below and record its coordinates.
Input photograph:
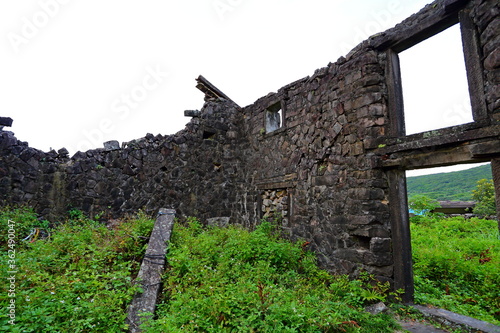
(434, 83)
(274, 117)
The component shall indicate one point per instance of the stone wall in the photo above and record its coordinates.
(194, 171)
(340, 202)
(341, 137)
(327, 152)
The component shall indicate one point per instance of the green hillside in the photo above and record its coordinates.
(457, 185)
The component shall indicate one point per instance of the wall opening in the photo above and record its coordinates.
(434, 83)
(440, 188)
(208, 135)
(274, 117)
(440, 243)
(276, 205)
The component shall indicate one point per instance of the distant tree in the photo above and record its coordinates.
(422, 205)
(484, 195)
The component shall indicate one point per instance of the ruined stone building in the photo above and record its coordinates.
(327, 152)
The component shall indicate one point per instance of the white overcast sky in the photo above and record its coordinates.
(76, 73)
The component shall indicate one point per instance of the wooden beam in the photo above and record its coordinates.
(454, 135)
(395, 93)
(400, 229)
(441, 156)
(210, 90)
(474, 66)
(151, 270)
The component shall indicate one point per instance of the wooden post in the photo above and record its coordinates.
(152, 268)
(401, 241)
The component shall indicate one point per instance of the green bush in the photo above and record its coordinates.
(484, 195)
(233, 280)
(456, 265)
(76, 279)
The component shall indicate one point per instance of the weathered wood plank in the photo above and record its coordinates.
(400, 229)
(152, 268)
(210, 90)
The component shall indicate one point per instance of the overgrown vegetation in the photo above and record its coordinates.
(233, 280)
(456, 265)
(75, 276)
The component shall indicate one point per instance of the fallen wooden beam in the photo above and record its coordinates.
(210, 90)
(151, 270)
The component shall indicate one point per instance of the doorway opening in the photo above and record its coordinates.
(455, 255)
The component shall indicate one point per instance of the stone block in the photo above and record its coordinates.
(366, 99)
(377, 109)
(327, 180)
(357, 148)
(377, 308)
(377, 259)
(378, 244)
(63, 152)
(6, 121)
(111, 145)
(192, 113)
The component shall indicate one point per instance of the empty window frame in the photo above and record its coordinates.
(436, 82)
(274, 117)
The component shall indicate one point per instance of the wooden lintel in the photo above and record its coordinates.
(436, 157)
(285, 181)
(451, 136)
(485, 149)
